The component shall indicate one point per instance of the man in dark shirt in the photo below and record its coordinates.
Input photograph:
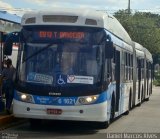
(7, 75)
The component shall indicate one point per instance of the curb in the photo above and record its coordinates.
(7, 121)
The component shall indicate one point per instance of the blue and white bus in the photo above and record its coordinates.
(73, 65)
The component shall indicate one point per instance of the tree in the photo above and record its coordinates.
(143, 28)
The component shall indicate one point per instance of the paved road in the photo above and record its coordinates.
(144, 119)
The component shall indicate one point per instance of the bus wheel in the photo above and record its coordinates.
(104, 125)
(130, 101)
(139, 104)
(147, 99)
(112, 108)
(142, 97)
(34, 123)
(129, 105)
(112, 113)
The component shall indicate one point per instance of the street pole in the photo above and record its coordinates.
(129, 9)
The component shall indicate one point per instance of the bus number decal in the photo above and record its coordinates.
(66, 101)
(69, 101)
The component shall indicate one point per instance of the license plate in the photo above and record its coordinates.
(54, 111)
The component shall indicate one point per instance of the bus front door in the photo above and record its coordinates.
(117, 77)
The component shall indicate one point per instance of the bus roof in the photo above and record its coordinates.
(77, 17)
(138, 46)
(139, 49)
(10, 17)
(148, 55)
(142, 51)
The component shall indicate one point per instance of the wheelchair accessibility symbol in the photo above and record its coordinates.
(61, 80)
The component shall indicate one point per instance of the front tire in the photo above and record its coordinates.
(104, 125)
(112, 114)
(147, 99)
(129, 104)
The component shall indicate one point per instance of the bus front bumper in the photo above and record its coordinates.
(94, 112)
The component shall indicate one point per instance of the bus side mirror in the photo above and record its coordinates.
(109, 50)
(10, 39)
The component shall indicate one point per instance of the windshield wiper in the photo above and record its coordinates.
(38, 52)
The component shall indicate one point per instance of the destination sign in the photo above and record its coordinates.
(59, 35)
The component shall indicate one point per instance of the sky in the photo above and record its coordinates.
(20, 6)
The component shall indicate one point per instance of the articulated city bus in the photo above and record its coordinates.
(76, 65)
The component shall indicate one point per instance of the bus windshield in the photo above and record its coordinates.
(61, 56)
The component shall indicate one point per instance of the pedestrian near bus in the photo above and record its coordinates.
(8, 87)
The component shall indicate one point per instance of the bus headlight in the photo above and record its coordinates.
(87, 99)
(26, 97)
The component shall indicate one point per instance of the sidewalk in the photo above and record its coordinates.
(143, 119)
(5, 119)
(8, 120)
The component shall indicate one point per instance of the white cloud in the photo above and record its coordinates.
(18, 11)
(7, 7)
(39, 2)
(4, 6)
(97, 4)
(109, 5)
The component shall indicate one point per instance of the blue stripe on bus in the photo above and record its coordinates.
(62, 101)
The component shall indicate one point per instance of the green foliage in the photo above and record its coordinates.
(157, 79)
(143, 28)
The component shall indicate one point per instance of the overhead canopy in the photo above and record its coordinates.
(9, 17)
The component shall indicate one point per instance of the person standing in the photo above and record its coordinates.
(7, 75)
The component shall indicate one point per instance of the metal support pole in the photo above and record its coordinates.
(129, 9)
